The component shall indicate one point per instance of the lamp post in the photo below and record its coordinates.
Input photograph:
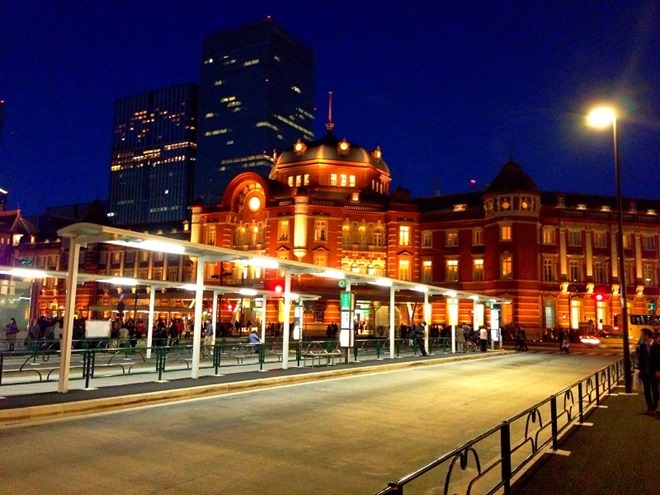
(602, 117)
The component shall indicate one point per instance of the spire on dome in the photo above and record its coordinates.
(330, 125)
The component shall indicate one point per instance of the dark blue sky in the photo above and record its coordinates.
(449, 90)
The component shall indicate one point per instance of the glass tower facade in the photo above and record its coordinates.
(153, 156)
(256, 97)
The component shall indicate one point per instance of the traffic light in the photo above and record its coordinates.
(652, 306)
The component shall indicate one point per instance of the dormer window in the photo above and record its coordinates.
(344, 147)
(460, 207)
(505, 204)
(581, 206)
(377, 153)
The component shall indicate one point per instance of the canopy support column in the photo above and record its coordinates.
(70, 310)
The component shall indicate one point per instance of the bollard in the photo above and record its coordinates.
(505, 452)
(597, 390)
(355, 353)
(397, 347)
(299, 352)
(378, 344)
(87, 368)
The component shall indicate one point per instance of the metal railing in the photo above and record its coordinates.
(489, 462)
(38, 361)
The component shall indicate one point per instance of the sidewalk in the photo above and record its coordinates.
(29, 403)
(617, 455)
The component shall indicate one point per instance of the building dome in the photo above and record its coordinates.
(329, 149)
(511, 179)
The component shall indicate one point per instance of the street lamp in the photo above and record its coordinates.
(602, 117)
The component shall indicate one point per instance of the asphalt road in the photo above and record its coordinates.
(348, 435)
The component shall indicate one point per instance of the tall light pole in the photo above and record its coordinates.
(602, 117)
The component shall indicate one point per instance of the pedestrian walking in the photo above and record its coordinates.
(11, 330)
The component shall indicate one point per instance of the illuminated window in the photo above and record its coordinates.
(650, 274)
(342, 180)
(290, 181)
(306, 179)
(478, 237)
(506, 264)
(283, 233)
(320, 259)
(378, 237)
(298, 180)
(346, 235)
(505, 232)
(404, 235)
(478, 270)
(548, 234)
(210, 235)
(333, 179)
(427, 271)
(451, 274)
(427, 239)
(351, 181)
(320, 230)
(452, 238)
(627, 242)
(404, 269)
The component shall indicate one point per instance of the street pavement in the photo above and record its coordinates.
(614, 452)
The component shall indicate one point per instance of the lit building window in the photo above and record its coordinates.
(290, 181)
(298, 180)
(404, 269)
(427, 271)
(333, 179)
(648, 243)
(478, 270)
(320, 259)
(478, 237)
(342, 180)
(378, 237)
(346, 235)
(627, 244)
(351, 181)
(452, 238)
(404, 235)
(210, 235)
(306, 180)
(505, 232)
(451, 274)
(283, 234)
(427, 239)
(548, 235)
(506, 264)
(650, 274)
(320, 231)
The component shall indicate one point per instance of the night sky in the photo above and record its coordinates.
(449, 90)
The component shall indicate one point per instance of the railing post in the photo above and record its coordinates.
(553, 419)
(580, 401)
(597, 390)
(217, 352)
(160, 361)
(262, 356)
(88, 369)
(2, 363)
(299, 352)
(505, 452)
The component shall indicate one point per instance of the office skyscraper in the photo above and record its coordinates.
(256, 96)
(153, 156)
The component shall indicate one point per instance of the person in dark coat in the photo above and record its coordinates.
(647, 356)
